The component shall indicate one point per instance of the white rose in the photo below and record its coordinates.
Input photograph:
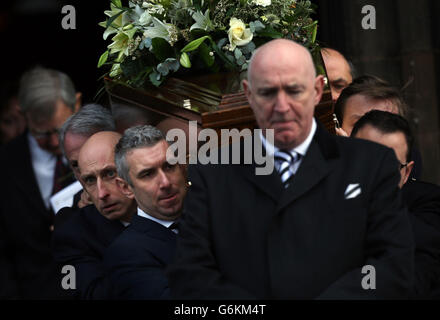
(238, 34)
(263, 3)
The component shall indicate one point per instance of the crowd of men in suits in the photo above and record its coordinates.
(143, 227)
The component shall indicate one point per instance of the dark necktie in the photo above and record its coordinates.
(63, 176)
(285, 160)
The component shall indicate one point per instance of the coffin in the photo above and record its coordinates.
(213, 100)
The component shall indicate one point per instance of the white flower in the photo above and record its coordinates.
(238, 34)
(263, 3)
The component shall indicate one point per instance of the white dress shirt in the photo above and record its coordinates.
(301, 149)
(43, 163)
(165, 223)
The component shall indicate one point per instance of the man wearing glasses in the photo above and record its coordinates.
(33, 170)
(422, 199)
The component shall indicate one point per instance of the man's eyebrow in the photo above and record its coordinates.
(85, 176)
(143, 171)
(340, 80)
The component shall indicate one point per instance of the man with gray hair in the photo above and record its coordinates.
(136, 260)
(34, 171)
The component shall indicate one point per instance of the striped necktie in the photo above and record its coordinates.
(285, 160)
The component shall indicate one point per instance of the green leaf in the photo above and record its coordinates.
(155, 78)
(161, 49)
(228, 63)
(102, 59)
(249, 48)
(111, 19)
(205, 54)
(184, 60)
(256, 26)
(117, 3)
(270, 33)
(193, 45)
(237, 53)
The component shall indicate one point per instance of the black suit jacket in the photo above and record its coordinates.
(27, 265)
(244, 236)
(423, 201)
(137, 259)
(80, 241)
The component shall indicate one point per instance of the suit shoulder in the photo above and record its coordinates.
(361, 146)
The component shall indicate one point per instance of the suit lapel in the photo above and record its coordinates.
(268, 184)
(24, 175)
(316, 165)
(107, 230)
(152, 228)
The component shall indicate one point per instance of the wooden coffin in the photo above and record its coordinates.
(215, 101)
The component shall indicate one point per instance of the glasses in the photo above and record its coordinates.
(44, 134)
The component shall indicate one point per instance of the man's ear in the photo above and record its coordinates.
(124, 188)
(408, 170)
(319, 88)
(246, 88)
(78, 101)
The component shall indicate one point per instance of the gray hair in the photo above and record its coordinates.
(41, 88)
(133, 138)
(90, 119)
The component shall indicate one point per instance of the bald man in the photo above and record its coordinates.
(324, 224)
(82, 239)
(338, 71)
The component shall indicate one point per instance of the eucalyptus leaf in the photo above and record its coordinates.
(256, 26)
(155, 78)
(249, 48)
(145, 44)
(237, 53)
(172, 64)
(163, 69)
(241, 60)
(221, 42)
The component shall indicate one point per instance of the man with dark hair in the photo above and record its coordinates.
(35, 171)
(306, 230)
(83, 238)
(366, 93)
(137, 259)
(422, 199)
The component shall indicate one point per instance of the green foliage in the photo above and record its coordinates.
(161, 49)
(152, 40)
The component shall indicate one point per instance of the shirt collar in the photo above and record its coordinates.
(165, 223)
(301, 149)
(37, 153)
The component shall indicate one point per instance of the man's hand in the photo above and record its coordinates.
(85, 200)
